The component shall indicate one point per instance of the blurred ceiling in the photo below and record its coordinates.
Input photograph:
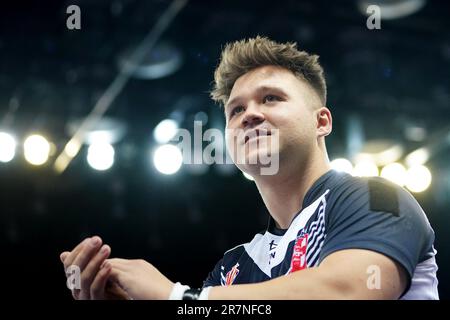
(50, 75)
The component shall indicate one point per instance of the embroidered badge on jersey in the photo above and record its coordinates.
(231, 275)
(298, 261)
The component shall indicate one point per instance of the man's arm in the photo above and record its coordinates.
(345, 274)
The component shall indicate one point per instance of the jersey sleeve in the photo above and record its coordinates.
(213, 278)
(377, 215)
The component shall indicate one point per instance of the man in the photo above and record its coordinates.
(330, 235)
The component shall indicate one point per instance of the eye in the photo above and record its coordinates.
(271, 98)
(236, 110)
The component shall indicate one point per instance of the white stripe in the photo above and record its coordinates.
(315, 224)
(315, 246)
(320, 230)
(257, 248)
(311, 252)
(312, 242)
(317, 249)
(242, 244)
(314, 262)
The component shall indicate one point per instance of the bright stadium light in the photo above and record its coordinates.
(100, 156)
(392, 9)
(7, 147)
(36, 149)
(165, 130)
(342, 165)
(394, 172)
(417, 157)
(247, 176)
(418, 178)
(167, 159)
(365, 168)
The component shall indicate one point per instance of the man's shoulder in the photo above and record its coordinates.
(353, 196)
(366, 198)
(347, 188)
(343, 182)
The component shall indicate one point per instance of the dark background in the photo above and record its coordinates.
(390, 79)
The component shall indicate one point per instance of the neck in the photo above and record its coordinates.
(284, 192)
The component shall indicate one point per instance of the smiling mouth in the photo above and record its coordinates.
(256, 134)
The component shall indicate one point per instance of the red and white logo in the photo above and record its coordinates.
(231, 275)
(298, 261)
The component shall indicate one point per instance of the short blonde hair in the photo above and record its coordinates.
(243, 56)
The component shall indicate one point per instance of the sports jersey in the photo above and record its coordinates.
(340, 212)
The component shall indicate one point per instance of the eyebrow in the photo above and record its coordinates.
(259, 90)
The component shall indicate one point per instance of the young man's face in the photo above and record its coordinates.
(276, 111)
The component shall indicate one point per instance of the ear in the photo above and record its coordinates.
(324, 122)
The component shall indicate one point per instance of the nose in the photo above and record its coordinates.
(252, 117)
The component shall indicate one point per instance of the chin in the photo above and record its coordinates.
(253, 170)
(255, 157)
(254, 161)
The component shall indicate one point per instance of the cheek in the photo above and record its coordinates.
(297, 132)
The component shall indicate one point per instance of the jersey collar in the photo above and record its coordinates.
(315, 191)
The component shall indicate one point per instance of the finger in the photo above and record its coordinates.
(68, 261)
(97, 290)
(116, 275)
(91, 270)
(64, 255)
(119, 264)
(114, 292)
(68, 258)
(76, 294)
(120, 282)
(87, 252)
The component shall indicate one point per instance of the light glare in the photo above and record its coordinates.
(418, 178)
(7, 147)
(342, 165)
(394, 172)
(167, 159)
(100, 156)
(365, 168)
(36, 150)
(165, 131)
(249, 177)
